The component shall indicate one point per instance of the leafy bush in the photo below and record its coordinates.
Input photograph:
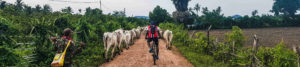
(194, 50)
(191, 49)
(279, 56)
(236, 37)
(8, 57)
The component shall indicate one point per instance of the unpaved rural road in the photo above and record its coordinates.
(138, 56)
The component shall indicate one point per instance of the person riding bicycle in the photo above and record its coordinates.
(152, 35)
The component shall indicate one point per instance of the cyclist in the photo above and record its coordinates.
(152, 35)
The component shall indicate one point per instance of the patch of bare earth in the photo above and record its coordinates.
(268, 37)
(138, 56)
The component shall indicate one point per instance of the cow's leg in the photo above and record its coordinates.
(120, 47)
(106, 52)
(167, 44)
(113, 51)
(104, 41)
(170, 39)
(127, 44)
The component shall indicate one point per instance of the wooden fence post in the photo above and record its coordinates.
(208, 34)
(207, 50)
(255, 48)
(295, 49)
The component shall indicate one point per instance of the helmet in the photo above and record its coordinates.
(152, 22)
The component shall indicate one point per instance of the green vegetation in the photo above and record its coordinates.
(25, 32)
(230, 53)
(287, 7)
(284, 16)
(219, 21)
(278, 56)
(159, 15)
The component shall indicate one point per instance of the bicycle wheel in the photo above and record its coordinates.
(154, 53)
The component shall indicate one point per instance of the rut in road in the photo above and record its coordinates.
(138, 56)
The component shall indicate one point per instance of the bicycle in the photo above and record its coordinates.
(154, 52)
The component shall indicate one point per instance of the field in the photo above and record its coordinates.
(268, 37)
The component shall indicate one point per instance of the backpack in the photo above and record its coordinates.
(153, 29)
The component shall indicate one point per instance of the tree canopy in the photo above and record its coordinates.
(181, 5)
(287, 7)
(159, 15)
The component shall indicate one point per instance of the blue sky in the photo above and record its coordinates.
(143, 7)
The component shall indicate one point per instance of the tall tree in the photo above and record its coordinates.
(46, 9)
(88, 11)
(159, 15)
(197, 8)
(38, 8)
(181, 14)
(287, 7)
(19, 5)
(254, 13)
(2, 4)
(79, 10)
(28, 10)
(214, 17)
(181, 5)
(119, 13)
(67, 10)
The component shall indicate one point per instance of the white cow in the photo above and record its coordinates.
(138, 33)
(110, 40)
(128, 38)
(133, 36)
(168, 36)
(121, 38)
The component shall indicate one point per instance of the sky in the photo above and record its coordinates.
(143, 7)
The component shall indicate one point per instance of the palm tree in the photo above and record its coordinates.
(19, 5)
(197, 8)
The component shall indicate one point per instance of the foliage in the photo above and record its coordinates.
(159, 15)
(197, 8)
(219, 21)
(181, 5)
(191, 49)
(7, 29)
(36, 24)
(279, 56)
(287, 7)
(196, 50)
(213, 18)
(67, 10)
(25, 24)
(8, 57)
(119, 13)
(236, 37)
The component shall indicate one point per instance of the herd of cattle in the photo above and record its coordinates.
(120, 37)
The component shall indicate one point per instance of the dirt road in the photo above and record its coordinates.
(138, 56)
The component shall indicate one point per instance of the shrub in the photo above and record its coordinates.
(279, 56)
(7, 57)
(236, 37)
